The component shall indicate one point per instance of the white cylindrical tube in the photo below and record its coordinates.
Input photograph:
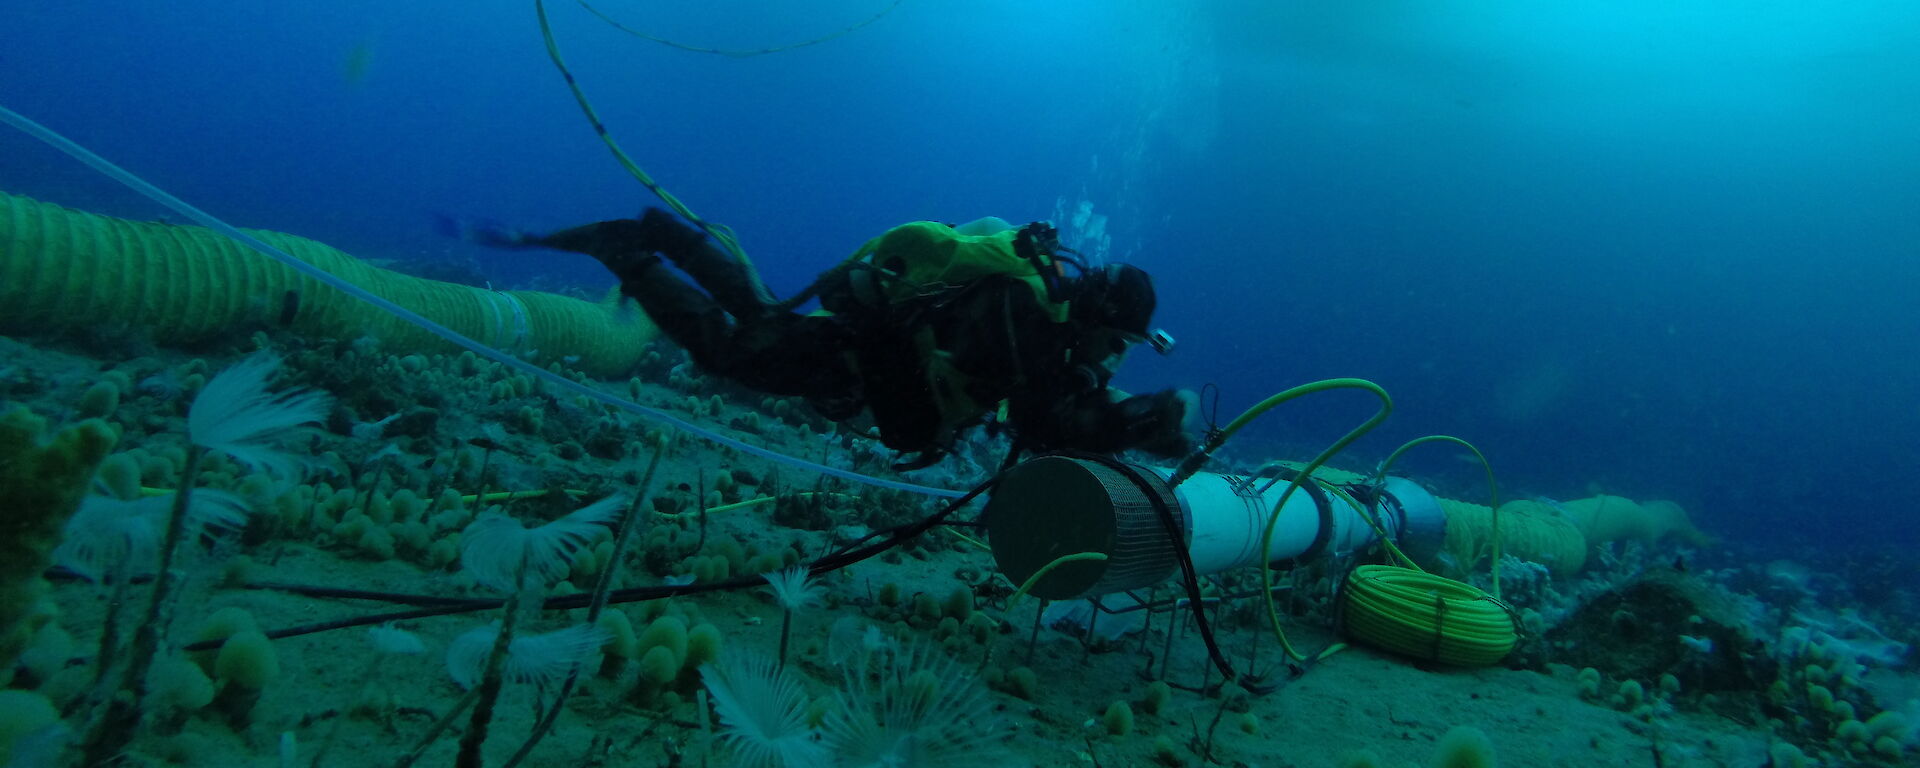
(1057, 506)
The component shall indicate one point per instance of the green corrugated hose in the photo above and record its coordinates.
(63, 270)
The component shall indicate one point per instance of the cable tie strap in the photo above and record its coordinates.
(522, 329)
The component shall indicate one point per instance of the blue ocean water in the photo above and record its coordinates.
(1656, 249)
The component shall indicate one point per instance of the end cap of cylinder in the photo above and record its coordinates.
(1046, 509)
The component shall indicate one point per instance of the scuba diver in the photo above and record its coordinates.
(928, 328)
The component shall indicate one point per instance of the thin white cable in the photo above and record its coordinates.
(498, 328)
(522, 330)
(207, 220)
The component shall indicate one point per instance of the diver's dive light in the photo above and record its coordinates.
(1161, 341)
(1056, 506)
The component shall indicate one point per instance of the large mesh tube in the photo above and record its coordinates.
(1528, 530)
(63, 270)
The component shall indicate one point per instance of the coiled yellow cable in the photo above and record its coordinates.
(1426, 616)
(1411, 612)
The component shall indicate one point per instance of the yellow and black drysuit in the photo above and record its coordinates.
(928, 330)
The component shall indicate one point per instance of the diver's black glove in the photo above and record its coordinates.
(1159, 423)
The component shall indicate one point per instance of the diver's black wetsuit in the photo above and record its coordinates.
(995, 330)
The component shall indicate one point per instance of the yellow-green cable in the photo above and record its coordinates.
(1048, 568)
(1222, 435)
(1408, 611)
(1493, 489)
(1380, 533)
(1366, 515)
(969, 539)
(1273, 519)
(1266, 537)
(753, 502)
(721, 234)
(1367, 511)
(512, 495)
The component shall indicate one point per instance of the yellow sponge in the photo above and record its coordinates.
(1464, 746)
(247, 660)
(22, 713)
(45, 475)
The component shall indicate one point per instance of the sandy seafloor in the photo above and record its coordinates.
(1357, 699)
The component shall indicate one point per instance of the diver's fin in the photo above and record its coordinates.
(488, 233)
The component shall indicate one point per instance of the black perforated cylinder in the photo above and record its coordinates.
(1055, 506)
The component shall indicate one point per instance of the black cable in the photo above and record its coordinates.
(1175, 601)
(1212, 415)
(1189, 578)
(362, 594)
(854, 553)
(1013, 454)
(60, 573)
